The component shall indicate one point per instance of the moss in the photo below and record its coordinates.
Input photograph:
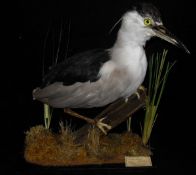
(46, 148)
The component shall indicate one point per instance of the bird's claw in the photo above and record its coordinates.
(103, 126)
(137, 94)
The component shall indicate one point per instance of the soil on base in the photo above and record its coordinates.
(46, 148)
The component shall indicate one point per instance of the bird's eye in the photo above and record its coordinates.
(147, 21)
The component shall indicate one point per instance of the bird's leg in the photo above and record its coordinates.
(98, 123)
(75, 114)
(126, 99)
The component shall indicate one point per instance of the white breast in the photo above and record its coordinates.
(131, 61)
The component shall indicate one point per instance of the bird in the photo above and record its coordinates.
(98, 77)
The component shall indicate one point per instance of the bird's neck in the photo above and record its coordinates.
(129, 47)
(131, 35)
(126, 51)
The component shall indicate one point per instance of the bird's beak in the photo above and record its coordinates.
(163, 33)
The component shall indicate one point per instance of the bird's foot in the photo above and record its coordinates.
(103, 126)
(99, 123)
(140, 88)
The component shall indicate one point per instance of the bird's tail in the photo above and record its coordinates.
(38, 95)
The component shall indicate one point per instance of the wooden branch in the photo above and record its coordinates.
(116, 113)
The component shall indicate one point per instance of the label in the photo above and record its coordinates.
(137, 161)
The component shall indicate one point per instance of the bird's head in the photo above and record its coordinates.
(143, 22)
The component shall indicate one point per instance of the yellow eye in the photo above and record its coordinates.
(147, 21)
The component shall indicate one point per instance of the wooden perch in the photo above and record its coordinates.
(116, 113)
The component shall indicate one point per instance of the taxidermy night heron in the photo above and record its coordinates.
(99, 77)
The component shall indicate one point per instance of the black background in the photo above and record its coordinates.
(173, 138)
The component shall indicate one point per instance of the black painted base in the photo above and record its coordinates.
(113, 169)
